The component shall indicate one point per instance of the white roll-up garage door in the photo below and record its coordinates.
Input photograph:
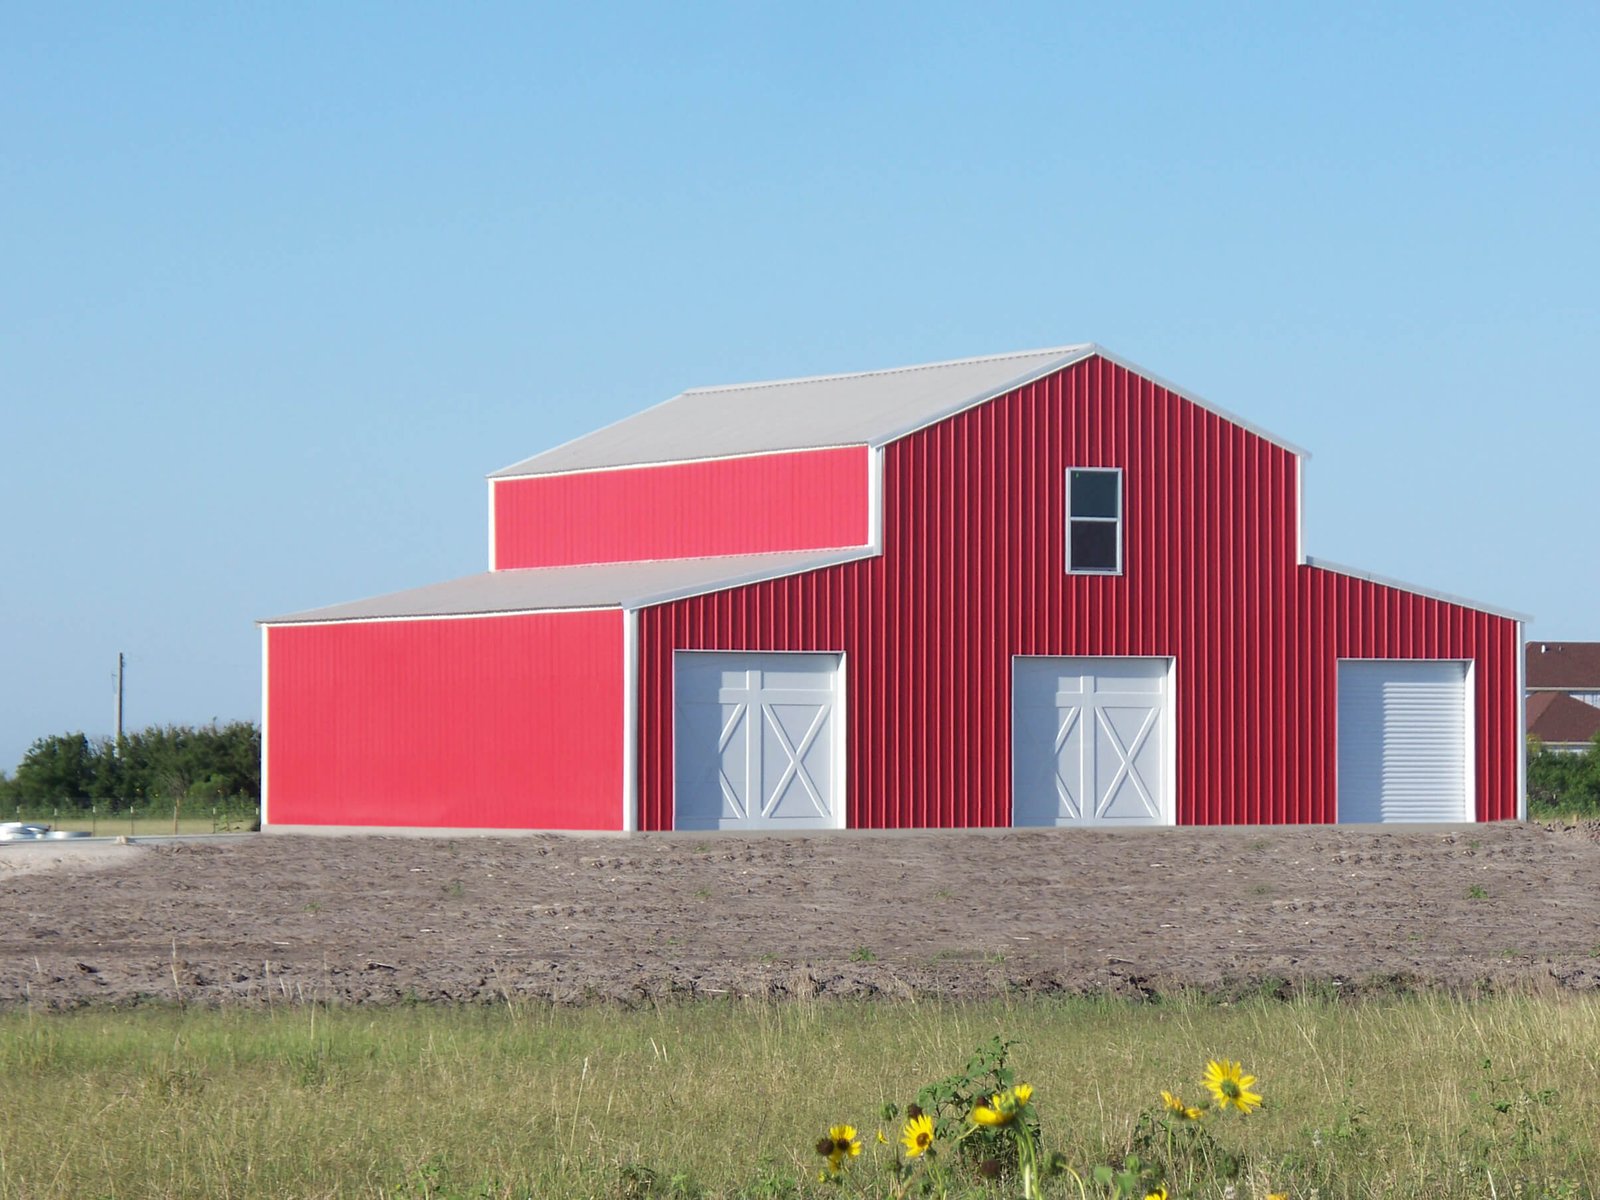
(1404, 733)
(758, 741)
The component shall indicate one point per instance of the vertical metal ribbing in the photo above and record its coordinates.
(973, 573)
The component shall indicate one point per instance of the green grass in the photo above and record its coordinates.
(149, 821)
(1379, 1098)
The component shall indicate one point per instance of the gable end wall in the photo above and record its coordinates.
(972, 574)
(757, 504)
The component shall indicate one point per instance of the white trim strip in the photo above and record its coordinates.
(847, 555)
(630, 720)
(494, 553)
(462, 616)
(612, 468)
(1078, 355)
(1300, 509)
(1522, 722)
(1192, 398)
(437, 831)
(265, 709)
(1067, 356)
(1323, 564)
(875, 498)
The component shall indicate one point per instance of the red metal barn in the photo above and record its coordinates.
(1036, 589)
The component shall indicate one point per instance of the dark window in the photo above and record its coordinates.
(1094, 520)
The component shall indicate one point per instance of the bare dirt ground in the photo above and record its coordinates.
(281, 919)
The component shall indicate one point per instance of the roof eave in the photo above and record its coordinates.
(1430, 593)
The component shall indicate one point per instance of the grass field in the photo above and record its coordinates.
(1423, 1097)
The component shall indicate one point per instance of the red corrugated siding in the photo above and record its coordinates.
(478, 723)
(806, 500)
(973, 573)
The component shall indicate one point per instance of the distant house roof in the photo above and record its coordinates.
(1564, 666)
(599, 585)
(868, 408)
(1556, 719)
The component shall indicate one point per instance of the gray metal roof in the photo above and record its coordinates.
(869, 408)
(598, 585)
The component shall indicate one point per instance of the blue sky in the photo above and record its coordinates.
(280, 283)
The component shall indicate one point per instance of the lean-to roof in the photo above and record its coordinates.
(596, 585)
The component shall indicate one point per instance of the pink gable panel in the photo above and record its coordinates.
(801, 500)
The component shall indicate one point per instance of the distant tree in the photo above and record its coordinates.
(170, 763)
(58, 769)
(1562, 783)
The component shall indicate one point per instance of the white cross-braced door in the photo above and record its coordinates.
(756, 741)
(1090, 741)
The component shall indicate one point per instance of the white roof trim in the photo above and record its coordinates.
(853, 554)
(1430, 593)
(674, 462)
(591, 587)
(839, 429)
(291, 620)
(1193, 398)
(1071, 355)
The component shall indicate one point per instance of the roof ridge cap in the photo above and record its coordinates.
(757, 384)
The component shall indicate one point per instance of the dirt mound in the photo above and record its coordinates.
(279, 919)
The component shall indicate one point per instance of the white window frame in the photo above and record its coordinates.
(1117, 521)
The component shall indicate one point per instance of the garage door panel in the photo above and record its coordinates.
(772, 762)
(1043, 794)
(795, 766)
(1089, 743)
(1128, 747)
(712, 777)
(1403, 741)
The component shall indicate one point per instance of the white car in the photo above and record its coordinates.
(26, 831)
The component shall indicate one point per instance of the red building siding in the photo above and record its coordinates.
(972, 573)
(806, 500)
(509, 722)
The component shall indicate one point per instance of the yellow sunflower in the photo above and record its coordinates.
(845, 1141)
(1179, 1109)
(1159, 1194)
(1228, 1083)
(840, 1144)
(918, 1136)
(1003, 1107)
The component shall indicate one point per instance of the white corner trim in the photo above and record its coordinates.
(1469, 751)
(1300, 509)
(1323, 564)
(265, 709)
(1522, 721)
(630, 720)
(494, 555)
(841, 772)
(875, 498)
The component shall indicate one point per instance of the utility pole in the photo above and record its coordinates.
(117, 751)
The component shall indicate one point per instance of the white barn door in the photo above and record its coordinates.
(1403, 740)
(1091, 741)
(757, 741)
